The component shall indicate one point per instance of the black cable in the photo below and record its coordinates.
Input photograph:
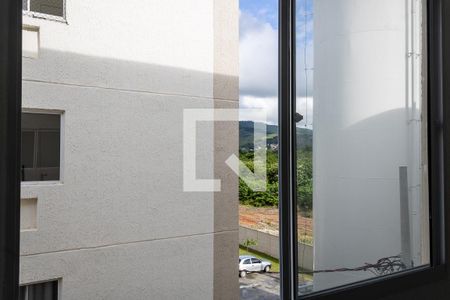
(384, 266)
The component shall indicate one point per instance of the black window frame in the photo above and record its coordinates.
(10, 132)
(41, 15)
(54, 288)
(438, 71)
(38, 132)
(429, 282)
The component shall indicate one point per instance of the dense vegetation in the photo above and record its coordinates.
(304, 167)
(270, 196)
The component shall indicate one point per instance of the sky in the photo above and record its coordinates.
(258, 50)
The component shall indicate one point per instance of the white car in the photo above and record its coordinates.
(250, 264)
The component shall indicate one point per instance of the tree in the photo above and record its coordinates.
(249, 242)
(305, 180)
(270, 196)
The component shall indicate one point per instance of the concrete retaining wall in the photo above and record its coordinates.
(268, 243)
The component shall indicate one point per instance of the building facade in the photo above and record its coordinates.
(108, 218)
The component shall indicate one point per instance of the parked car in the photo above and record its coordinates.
(250, 264)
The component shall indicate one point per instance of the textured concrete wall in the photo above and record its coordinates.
(269, 244)
(118, 225)
(226, 142)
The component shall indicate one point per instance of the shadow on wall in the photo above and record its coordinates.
(122, 170)
(77, 69)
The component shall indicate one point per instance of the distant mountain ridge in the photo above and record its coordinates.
(304, 136)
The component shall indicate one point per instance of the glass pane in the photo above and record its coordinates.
(25, 4)
(49, 7)
(27, 156)
(43, 291)
(41, 160)
(48, 158)
(258, 148)
(362, 161)
(22, 293)
(304, 135)
(48, 149)
(34, 121)
(27, 149)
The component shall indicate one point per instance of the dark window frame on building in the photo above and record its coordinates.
(38, 172)
(429, 282)
(47, 290)
(28, 10)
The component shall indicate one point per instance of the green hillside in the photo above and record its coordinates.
(304, 136)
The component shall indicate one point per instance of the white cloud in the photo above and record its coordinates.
(270, 106)
(258, 52)
(259, 69)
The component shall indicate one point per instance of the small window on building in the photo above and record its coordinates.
(47, 7)
(41, 137)
(39, 291)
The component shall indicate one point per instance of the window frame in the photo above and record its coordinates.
(437, 72)
(61, 115)
(10, 133)
(55, 287)
(33, 14)
(439, 140)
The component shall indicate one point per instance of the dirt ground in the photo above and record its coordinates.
(266, 219)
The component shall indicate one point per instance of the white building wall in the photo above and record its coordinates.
(365, 128)
(118, 225)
